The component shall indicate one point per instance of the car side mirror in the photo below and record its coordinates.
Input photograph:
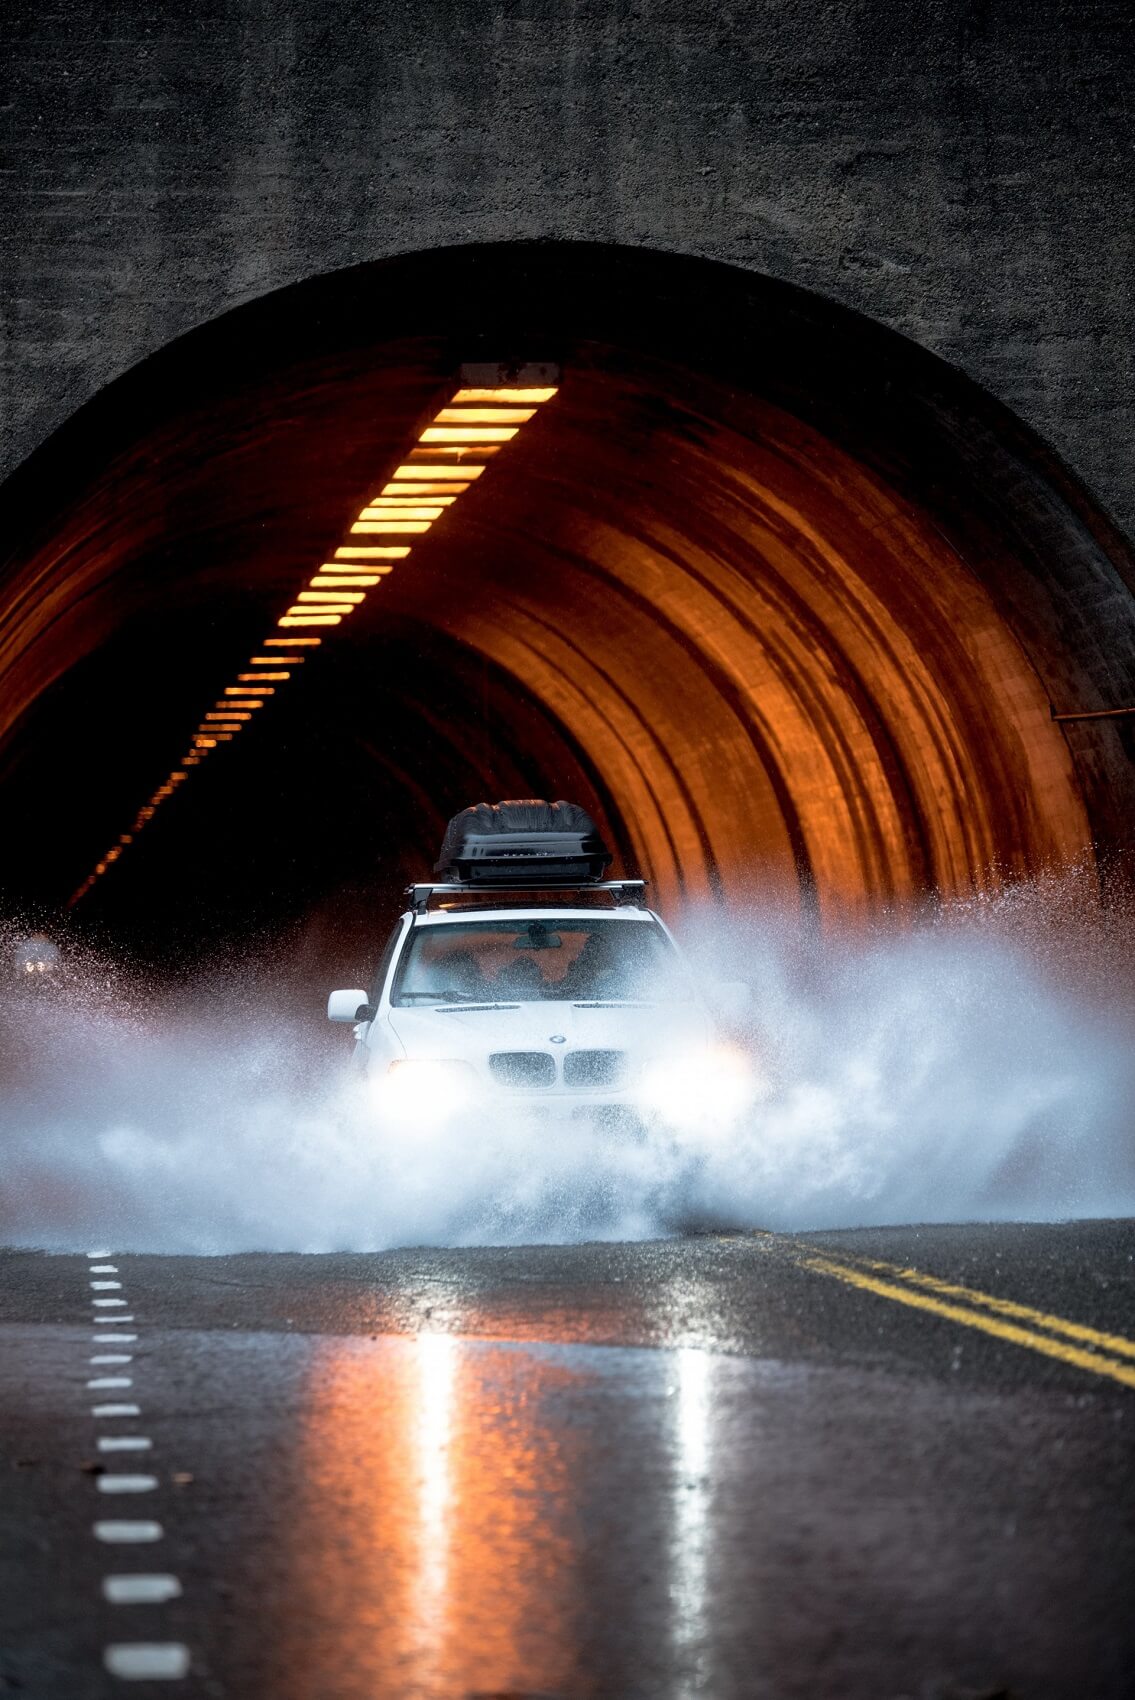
(349, 1006)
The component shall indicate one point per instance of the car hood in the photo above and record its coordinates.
(643, 1028)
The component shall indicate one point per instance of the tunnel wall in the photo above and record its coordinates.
(785, 597)
(961, 172)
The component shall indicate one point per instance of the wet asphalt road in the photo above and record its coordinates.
(859, 1466)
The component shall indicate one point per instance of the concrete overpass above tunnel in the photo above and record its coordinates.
(793, 606)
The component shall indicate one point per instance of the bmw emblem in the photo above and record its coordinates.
(557, 1039)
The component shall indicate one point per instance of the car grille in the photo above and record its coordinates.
(523, 1068)
(590, 1071)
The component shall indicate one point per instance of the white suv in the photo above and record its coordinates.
(570, 1012)
(565, 1011)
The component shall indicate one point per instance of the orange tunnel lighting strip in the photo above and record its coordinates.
(412, 490)
(390, 526)
(485, 415)
(374, 552)
(419, 469)
(449, 455)
(469, 433)
(399, 510)
(504, 394)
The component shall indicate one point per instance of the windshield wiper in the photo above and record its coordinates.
(440, 997)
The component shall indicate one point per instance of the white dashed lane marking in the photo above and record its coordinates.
(120, 1532)
(140, 1590)
(147, 1661)
(126, 1484)
(130, 1661)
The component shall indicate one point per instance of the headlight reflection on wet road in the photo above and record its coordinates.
(690, 1527)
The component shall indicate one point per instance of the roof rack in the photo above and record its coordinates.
(621, 891)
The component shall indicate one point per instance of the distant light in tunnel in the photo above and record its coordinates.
(449, 456)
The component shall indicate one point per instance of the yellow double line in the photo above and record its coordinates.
(1052, 1336)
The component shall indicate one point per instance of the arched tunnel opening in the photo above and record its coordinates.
(789, 604)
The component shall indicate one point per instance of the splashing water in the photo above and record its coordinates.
(979, 1065)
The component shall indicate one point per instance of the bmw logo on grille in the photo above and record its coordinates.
(557, 1039)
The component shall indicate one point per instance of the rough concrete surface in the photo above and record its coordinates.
(961, 172)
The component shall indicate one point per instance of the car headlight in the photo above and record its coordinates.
(705, 1089)
(427, 1090)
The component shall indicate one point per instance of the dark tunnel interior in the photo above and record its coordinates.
(785, 601)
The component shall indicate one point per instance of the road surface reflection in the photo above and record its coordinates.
(465, 1527)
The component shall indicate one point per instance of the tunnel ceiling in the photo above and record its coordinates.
(785, 600)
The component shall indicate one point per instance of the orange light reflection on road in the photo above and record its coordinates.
(449, 455)
(438, 1484)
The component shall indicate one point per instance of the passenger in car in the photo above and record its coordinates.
(521, 975)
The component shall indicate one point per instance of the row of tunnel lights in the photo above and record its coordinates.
(451, 453)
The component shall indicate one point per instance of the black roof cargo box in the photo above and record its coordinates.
(523, 842)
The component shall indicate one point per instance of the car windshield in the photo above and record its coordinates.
(529, 961)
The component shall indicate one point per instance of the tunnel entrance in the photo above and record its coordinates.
(783, 600)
